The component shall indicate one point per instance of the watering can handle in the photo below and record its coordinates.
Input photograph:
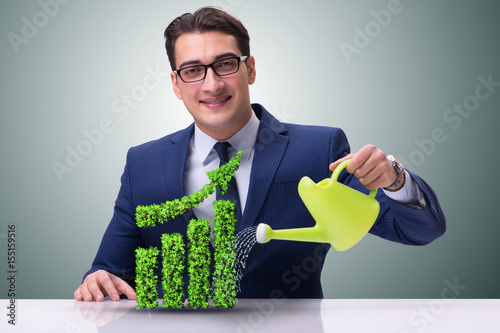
(340, 167)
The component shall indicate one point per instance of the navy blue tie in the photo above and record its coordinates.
(232, 191)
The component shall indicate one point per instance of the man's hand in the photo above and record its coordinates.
(371, 166)
(100, 284)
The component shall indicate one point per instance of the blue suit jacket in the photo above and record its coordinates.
(284, 153)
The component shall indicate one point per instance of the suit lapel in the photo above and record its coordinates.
(269, 150)
(175, 165)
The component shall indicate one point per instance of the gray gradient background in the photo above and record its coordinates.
(395, 91)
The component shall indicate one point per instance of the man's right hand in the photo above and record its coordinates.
(100, 284)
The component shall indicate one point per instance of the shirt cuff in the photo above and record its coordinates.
(409, 195)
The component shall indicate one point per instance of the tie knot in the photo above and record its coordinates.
(221, 149)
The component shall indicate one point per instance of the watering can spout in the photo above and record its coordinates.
(314, 234)
(343, 215)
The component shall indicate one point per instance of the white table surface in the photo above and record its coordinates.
(259, 315)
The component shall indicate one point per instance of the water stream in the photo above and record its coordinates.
(245, 240)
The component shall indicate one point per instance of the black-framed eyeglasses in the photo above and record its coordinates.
(222, 67)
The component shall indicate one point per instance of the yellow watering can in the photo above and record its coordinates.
(343, 215)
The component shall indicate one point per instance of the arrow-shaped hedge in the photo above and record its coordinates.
(152, 215)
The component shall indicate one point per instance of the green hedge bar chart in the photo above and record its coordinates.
(173, 270)
(146, 277)
(222, 286)
(199, 263)
(225, 278)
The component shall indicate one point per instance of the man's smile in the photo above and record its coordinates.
(215, 100)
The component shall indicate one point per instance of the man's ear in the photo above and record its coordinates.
(175, 85)
(251, 69)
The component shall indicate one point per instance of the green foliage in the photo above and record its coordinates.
(223, 175)
(199, 249)
(173, 270)
(225, 254)
(198, 233)
(146, 277)
(152, 215)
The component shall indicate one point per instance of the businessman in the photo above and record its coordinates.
(212, 68)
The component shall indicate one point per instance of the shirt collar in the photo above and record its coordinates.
(244, 140)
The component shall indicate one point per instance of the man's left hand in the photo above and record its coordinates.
(371, 166)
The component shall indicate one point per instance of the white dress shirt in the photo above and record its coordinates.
(203, 158)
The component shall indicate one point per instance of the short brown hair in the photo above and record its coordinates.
(206, 19)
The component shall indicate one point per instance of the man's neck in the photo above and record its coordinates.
(222, 134)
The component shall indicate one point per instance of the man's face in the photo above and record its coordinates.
(219, 105)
